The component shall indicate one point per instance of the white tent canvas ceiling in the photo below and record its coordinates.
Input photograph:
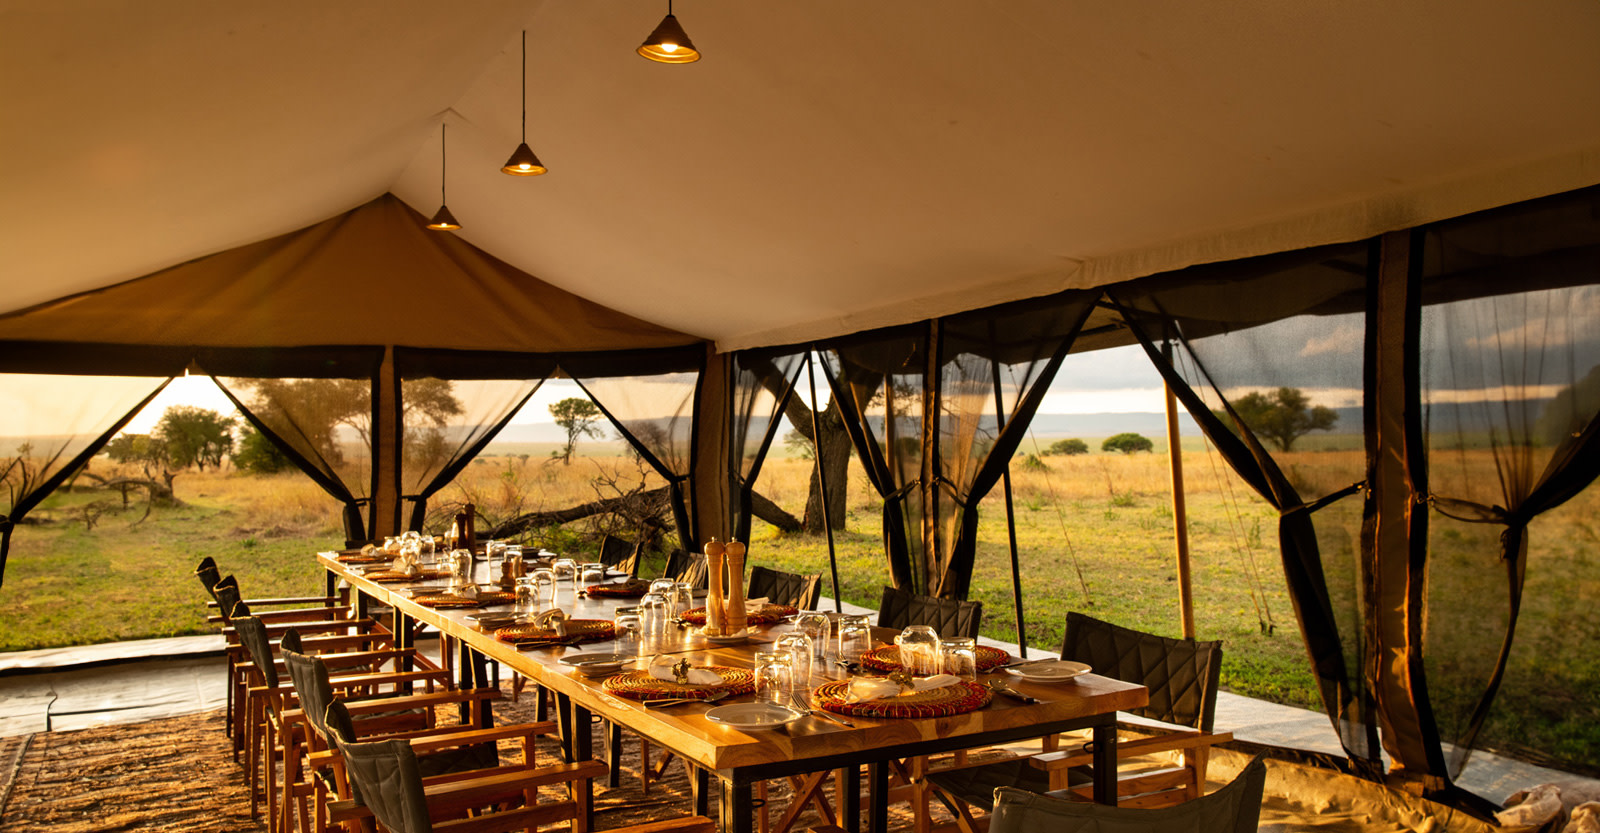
(828, 167)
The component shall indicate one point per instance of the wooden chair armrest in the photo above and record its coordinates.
(474, 791)
(429, 742)
(412, 701)
(448, 737)
(369, 640)
(1168, 742)
(349, 659)
(291, 600)
(348, 681)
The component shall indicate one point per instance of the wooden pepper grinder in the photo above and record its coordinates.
(716, 616)
(737, 617)
(470, 532)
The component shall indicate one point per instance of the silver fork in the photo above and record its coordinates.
(800, 706)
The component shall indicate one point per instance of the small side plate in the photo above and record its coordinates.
(1050, 672)
(596, 665)
(753, 715)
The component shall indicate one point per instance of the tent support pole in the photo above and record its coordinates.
(387, 436)
(1011, 517)
(1180, 516)
(822, 476)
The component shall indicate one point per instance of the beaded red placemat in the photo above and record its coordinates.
(887, 658)
(766, 615)
(639, 685)
(395, 576)
(484, 598)
(577, 630)
(956, 698)
(363, 558)
(627, 590)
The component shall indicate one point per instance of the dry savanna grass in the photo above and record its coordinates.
(1094, 533)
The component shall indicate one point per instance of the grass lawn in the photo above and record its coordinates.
(1095, 534)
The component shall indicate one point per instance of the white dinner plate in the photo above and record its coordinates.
(733, 639)
(753, 715)
(1053, 671)
(596, 665)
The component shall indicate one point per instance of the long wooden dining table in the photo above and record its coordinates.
(741, 758)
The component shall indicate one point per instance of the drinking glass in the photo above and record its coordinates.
(460, 568)
(774, 677)
(544, 587)
(798, 646)
(919, 650)
(653, 618)
(590, 574)
(816, 625)
(960, 657)
(682, 598)
(494, 551)
(855, 636)
(629, 630)
(661, 585)
(566, 571)
(527, 596)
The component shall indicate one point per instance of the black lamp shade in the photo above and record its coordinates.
(669, 44)
(523, 163)
(443, 220)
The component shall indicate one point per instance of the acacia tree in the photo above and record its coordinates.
(1127, 443)
(317, 408)
(194, 436)
(576, 416)
(1283, 416)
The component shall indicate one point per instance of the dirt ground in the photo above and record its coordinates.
(178, 775)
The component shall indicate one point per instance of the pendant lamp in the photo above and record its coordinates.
(669, 44)
(442, 220)
(522, 161)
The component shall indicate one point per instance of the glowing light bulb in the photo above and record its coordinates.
(669, 48)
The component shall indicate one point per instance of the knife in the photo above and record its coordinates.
(999, 687)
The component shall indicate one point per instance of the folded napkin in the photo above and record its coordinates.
(863, 689)
(554, 619)
(369, 550)
(755, 604)
(661, 668)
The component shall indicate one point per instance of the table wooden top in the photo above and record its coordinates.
(805, 745)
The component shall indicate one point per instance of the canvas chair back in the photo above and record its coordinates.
(229, 604)
(900, 608)
(384, 775)
(310, 678)
(1182, 674)
(253, 635)
(209, 575)
(1235, 808)
(688, 566)
(619, 554)
(784, 588)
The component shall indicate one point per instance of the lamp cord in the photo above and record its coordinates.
(524, 86)
(443, 162)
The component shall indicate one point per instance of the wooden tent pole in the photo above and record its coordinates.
(1180, 516)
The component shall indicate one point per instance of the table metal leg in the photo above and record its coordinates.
(878, 797)
(404, 639)
(850, 800)
(613, 754)
(700, 790)
(472, 671)
(738, 810)
(1105, 764)
(564, 726)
